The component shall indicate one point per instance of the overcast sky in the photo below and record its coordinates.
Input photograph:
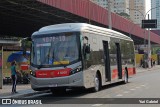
(148, 6)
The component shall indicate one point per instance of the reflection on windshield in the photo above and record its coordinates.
(55, 49)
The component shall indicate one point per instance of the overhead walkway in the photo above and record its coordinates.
(22, 17)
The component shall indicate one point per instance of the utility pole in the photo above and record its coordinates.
(89, 12)
(1, 67)
(109, 15)
(149, 47)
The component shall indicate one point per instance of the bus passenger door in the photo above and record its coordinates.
(107, 61)
(119, 62)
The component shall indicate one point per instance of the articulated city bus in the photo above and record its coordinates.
(76, 55)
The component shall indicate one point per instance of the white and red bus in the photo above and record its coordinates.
(76, 55)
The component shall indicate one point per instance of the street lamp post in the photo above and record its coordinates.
(143, 17)
(149, 47)
(149, 39)
(109, 15)
(149, 42)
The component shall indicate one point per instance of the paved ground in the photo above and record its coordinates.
(25, 89)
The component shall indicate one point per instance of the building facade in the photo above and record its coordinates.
(137, 11)
(155, 12)
(134, 8)
(117, 6)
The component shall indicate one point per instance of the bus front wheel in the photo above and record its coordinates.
(97, 83)
(126, 76)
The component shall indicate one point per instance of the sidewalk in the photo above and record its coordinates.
(22, 89)
(140, 69)
(25, 89)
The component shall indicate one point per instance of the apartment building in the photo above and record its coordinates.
(155, 11)
(134, 8)
(137, 10)
(117, 6)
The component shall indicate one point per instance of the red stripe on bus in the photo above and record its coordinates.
(115, 73)
(53, 73)
(131, 71)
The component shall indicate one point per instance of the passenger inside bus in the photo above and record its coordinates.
(50, 57)
(72, 54)
(60, 54)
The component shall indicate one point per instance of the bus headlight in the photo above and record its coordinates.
(32, 73)
(78, 69)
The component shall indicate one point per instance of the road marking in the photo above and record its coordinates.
(97, 105)
(143, 85)
(119, 95)
(132, 89)
(126, 92)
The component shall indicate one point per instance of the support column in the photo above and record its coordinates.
(149, 47)
(109, 15)
(1, 66)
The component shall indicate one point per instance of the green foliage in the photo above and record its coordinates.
(124, 15)
(26, 43)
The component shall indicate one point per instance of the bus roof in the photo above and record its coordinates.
(73, 27)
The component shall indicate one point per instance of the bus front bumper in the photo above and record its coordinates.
(71, 81)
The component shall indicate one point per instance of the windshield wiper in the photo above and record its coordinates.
(39, 67)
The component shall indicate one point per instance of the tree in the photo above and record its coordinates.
(125, 15)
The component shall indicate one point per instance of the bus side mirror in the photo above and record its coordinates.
(26, 43)
(87, 49)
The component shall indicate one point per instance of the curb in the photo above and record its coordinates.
(148, 69)
(27, 94)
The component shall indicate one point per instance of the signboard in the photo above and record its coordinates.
(1, 77)
(149, 23)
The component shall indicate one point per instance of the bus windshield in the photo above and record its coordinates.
(55, 49)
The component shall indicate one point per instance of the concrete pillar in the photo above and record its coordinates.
(1, 66)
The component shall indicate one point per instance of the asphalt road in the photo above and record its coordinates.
(143, 85)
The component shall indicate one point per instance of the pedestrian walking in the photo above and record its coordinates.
(141, 63)
(14, 77)
(151, 62)
(154, 62)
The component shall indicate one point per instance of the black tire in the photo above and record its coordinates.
(97, 83)
(125, 77)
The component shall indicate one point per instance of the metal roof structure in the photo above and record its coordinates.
(23, 17)
(9, 41)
